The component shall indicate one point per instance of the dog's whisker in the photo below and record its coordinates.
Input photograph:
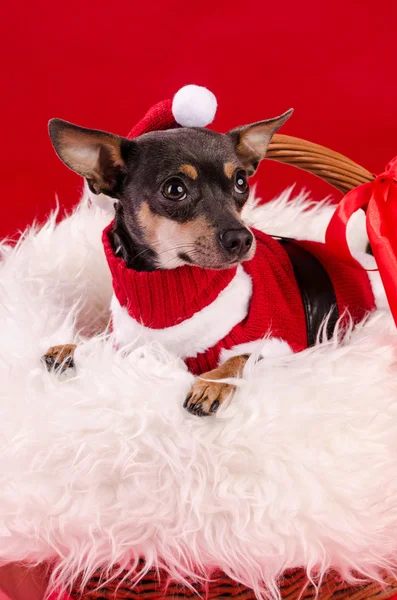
(181, 247)
(154, 244)
(184, 247)
(174, 258)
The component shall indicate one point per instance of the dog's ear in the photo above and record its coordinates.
(98, 156)
(251, 141)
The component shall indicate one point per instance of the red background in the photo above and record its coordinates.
(102, 64)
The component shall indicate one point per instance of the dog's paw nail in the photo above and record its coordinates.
(201, 408)
(48, 362)
(201, 413)
(187, 401)
(68, 363)
(214, 406)
(66, 368)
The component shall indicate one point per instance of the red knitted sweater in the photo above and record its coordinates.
(188, 300)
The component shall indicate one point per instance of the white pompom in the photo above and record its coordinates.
(194, 106)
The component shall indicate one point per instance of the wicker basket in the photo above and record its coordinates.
(343, 174)
(293, 586)
(336, 169)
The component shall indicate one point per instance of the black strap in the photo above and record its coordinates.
(318, 294)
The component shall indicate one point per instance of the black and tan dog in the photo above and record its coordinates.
(179, 196)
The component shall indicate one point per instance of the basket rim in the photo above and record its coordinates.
(336, 169)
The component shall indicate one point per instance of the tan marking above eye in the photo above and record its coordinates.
(229, 169)
(189, 170)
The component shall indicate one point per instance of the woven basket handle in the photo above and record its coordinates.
(336, 169)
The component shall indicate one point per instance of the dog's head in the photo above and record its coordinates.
(179, 192)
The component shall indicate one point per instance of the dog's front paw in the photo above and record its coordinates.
(207, 396)
(60, 359)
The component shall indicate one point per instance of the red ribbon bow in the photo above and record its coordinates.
(379, 200)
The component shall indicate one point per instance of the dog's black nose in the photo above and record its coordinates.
(236, 241)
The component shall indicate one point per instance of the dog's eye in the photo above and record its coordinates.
(174, 189)
(240, 182)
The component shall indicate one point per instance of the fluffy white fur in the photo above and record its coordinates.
(299, 470)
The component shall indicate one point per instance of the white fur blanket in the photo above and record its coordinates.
(300, 470)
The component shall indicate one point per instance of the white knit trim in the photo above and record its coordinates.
(195, 335)
(264, 348)
(369, 262)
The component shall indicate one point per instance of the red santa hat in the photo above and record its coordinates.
(192, 106)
